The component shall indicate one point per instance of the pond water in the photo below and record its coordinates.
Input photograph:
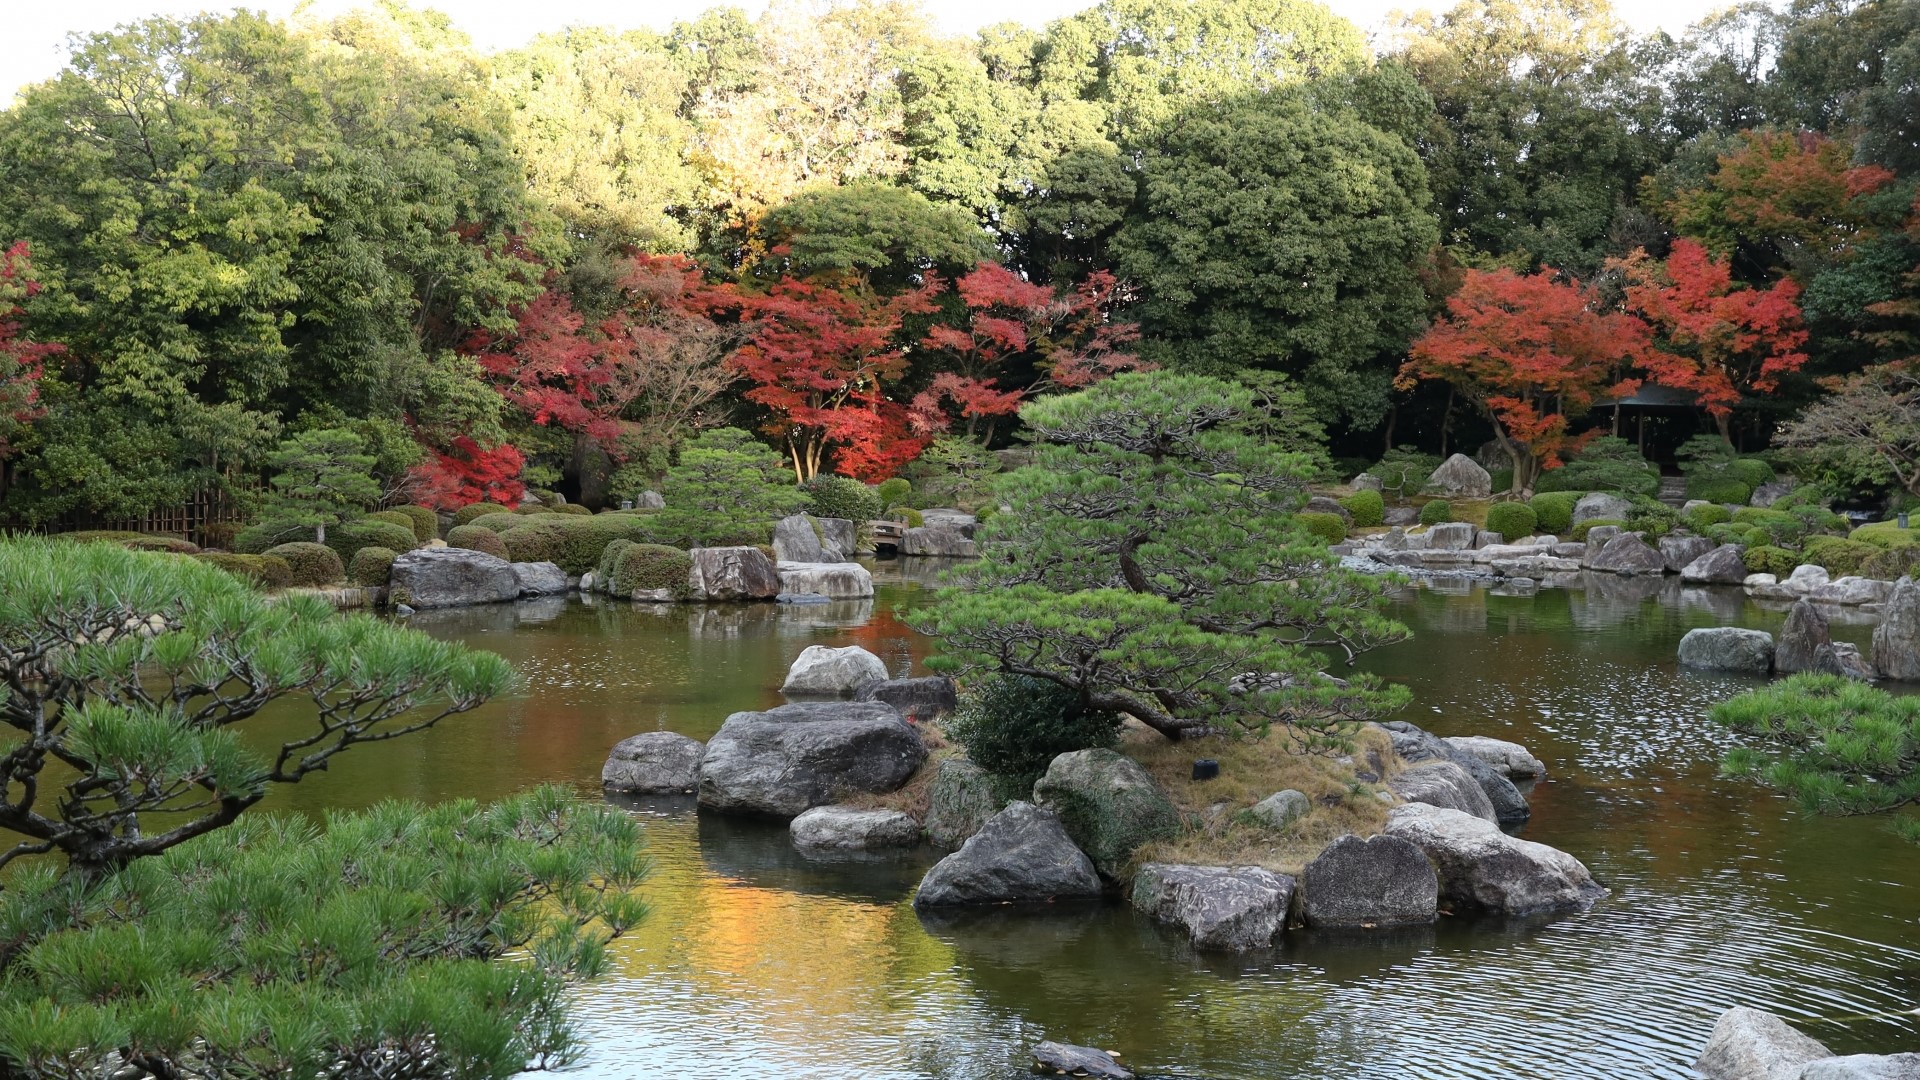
(758, 963)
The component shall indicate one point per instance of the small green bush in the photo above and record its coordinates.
(1369, 510)
(525, 509)
(256, 539)
(466, 514)
(911, 518)
(1885, 534)
(609, 558)
(841, 497)
(310, 563)
(1014, 726)
(371, 566)
(575, 544)
(1767, 559)
(1437, 512)
(893, 492)
(1750, 471)
(1607, 463)
(1700, 517)
(1502, 480)
(1892, 564)
(1652, 517)
(1818, 518)
(394, 516)
(1777, 527)
(1403, 471)
(1725, 533)
(476, 538)
(1554, 510)
(570, 509)
(1580, 531)
(1512, 520)
(261, 571)
(1327, 527)
(1720, 490)
(369, 532)
(1841, 557)
(426, 523)
(645, 567)
(500, 523)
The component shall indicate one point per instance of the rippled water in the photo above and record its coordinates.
(758, 963)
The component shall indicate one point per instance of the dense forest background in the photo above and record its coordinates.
(550, 265)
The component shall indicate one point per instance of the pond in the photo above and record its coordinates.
(758, 963)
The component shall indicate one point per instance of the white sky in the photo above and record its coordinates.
(33, 33)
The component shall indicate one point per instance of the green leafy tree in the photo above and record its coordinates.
(321, 478)
(1276, 235)
(726, 488)
(886, 236)
(1150, 560)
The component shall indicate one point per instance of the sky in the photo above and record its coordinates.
(33, 33)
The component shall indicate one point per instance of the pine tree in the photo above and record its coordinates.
(321, 478)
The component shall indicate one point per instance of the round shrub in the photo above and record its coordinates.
(371, 566)
(393, 516)
(466, 514)
(1327, 527)
(839, 497)
(1768, 559)
(532, 508)
(1755, 536)
(1652, 517)
(1369, 510)
(1750, 471)
(1437, 512)
(256, 539)
(573, 509)
(1014, 726)
(1512, 520)
(1700, 517)
(367, 532)
(645, 567)
(893, 492)
(475, 538)
(1553, 510)
(1780, 529)
(1840, 557)
(260, 571)
(1892, 564)
(1721, 490)
(1885, 534)
(575, 544)
(426, 523)
(499, 523)
(541, 540)
(912, 518)
(310, 563)
(1580, 531)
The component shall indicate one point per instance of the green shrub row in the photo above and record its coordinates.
(477, 538)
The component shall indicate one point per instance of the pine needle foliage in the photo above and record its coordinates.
(1152, 560)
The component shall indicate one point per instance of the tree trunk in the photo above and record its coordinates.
(320, 533)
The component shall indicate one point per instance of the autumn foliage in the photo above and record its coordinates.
(1798, 189)
(469, 473)
(21, 360)
(1533, 353)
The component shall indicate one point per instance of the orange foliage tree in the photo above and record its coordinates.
(1715, 338)
(1532, 353)
(1794, 190)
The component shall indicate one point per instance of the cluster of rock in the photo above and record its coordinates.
(941, 534)
(1806, 644)
(436, 577)
(1750, 1044)
(1809, 582)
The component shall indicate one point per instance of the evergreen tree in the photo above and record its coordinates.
(321, 478)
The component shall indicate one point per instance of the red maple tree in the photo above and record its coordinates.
(1533, 353)
(1068, 336)
(21, 361)
(1717, 339)
(822, 360)
(469, 473)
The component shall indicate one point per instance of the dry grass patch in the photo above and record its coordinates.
(1251, 770)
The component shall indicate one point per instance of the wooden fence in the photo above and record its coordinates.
(209, 506)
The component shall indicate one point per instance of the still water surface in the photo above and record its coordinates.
(758, 963)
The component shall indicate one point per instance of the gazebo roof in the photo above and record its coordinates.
(1653, 396)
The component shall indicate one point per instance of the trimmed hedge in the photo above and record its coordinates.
(573, 509)
(1553, 510)
(1750, 471)
(1700, 517)
(1722, 489)
(498, 523)
(466, 514)
(1580, 531)
(1768, 559)
(609, 557)
(1369, 510)
(1328, 527)
(256, 539)
(393, 516)
(371, 566)
(893, 492)
(310, 563)
(575, 544)
(261, 571)
(1891, 564)
(133, 541)
(1841, 557)
(643, 567)
(1512, 520)
(1885, 534)
(841, 497)
(475, 538)
(1436, 512)
(426, 523)
(349, 538)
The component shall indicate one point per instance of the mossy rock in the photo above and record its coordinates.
(1892, 564)
(371, 566)
(645, 568)
(1109, 805)
(310, 563)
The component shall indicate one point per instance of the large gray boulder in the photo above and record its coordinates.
(1020, 855)
(940, 540)
(960, 799)
(1852, 591)
(927, 698)
(821, 671)
(1896, 641)
(1801, 637)
(1843, 658)
(1220, 908)
(1748, 1044)
(1601, 506)
(1384, 881)
(653, 763)
(1450, 536)
(842, 534)
(1321, 504)
(1482, 869)
(1724, 565)
(1460, 477)
(846, 828)
(833, 580)
(1108, 804)
(540, 579)
(1769, 493)
(796, 540)
(1730, 649)
(732, 573)
(1629, 555)
(1415, 745)
(1680, 550)
(1442, 783)
(1863, 1067)
(947, 518)
(795, 757)
(1065, 1059)
(1512, 760)
(451, 577)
